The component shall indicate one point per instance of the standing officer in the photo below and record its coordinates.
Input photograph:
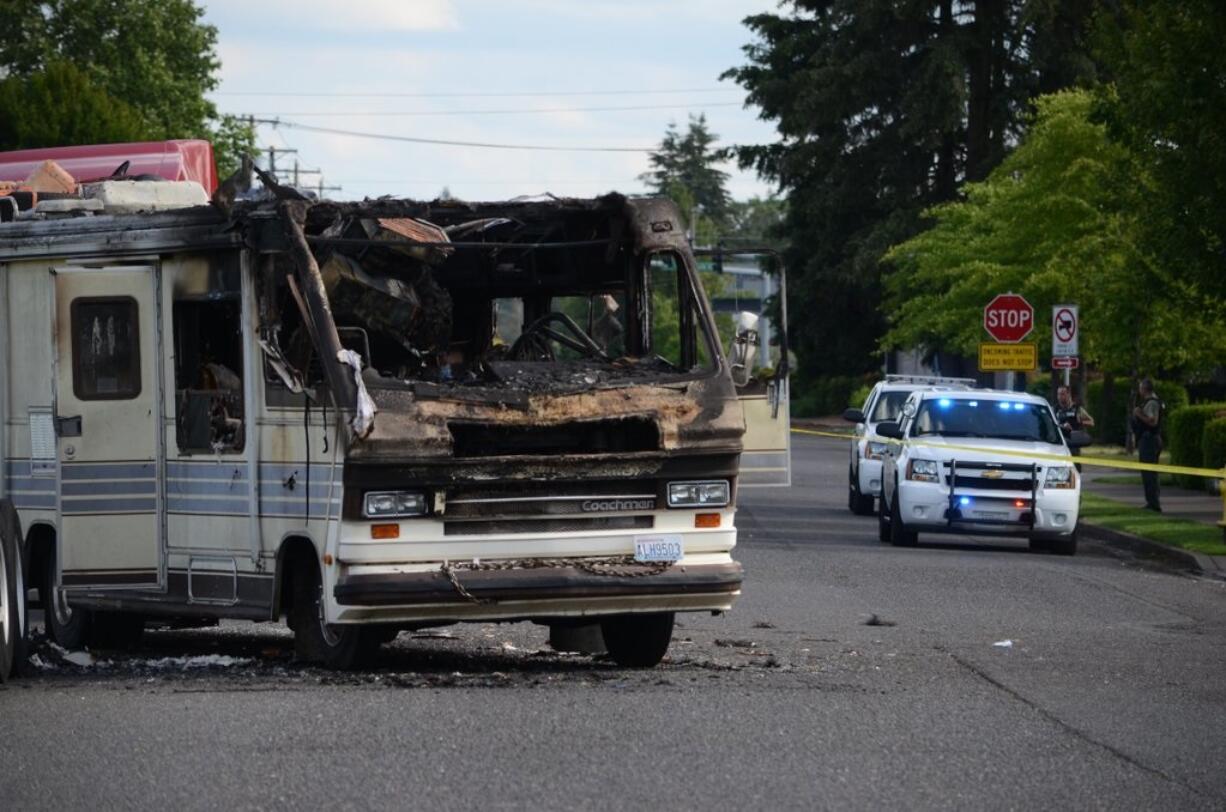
(1071, 416)
(1146, 423)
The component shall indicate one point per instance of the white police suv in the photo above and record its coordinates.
(884, 403)
(944, 472)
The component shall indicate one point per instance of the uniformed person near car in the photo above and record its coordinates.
(1146, 424)
(1071, 416)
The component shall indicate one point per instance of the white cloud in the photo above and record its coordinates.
(376, 16)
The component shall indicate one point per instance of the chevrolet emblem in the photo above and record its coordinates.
(992, 474)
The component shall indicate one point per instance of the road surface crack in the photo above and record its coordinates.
(1066, 727)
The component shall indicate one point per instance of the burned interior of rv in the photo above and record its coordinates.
(543, 296)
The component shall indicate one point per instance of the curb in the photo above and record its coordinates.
(1190, 560)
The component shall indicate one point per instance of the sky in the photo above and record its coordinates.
(551, 69)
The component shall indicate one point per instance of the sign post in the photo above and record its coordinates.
(1008, 319)
(1065, 329)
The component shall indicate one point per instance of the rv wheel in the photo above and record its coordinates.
(638, 641)
(12, 595)
(334, 646)
(67, 627)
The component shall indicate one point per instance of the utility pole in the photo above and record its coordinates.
(272, 159)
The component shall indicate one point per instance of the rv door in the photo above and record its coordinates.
(107, 419)
(752, 277)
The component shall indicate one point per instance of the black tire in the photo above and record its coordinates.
(119, 631)
(1040, 545)
(857, 503)
(638, 641)
(900, 536)
(883, 520)
(332, 646)
(1065, 546)
(12, 595)
(67, 627)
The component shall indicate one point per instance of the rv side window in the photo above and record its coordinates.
(105, 349)
(208, 337)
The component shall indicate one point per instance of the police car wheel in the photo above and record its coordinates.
(1065, 546)
(883, 521)
(638, 641)
(900, 536)
(857, 503)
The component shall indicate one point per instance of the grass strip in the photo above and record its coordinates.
(1135, 479)
(1189, 535)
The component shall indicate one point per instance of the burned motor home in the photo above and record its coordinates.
(366, 417)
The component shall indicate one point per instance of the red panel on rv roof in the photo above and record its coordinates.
(172, 160)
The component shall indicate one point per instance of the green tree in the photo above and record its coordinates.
(33, 112)
(883, 107)
(155, 57)
(1168, 103)
(1060, 220)
(685, 167)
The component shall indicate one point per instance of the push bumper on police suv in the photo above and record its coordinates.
(992, 498)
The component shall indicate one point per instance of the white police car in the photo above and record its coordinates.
(884, 402)
(943, 474)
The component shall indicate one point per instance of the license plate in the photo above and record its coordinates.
(990, 514)
(657, 548)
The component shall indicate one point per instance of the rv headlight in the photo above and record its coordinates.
(1060, 476)
(924, 470)
(391, 504)
(698, 494)
(874, 450)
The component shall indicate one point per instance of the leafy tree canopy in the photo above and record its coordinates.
(1168, 103)
(1057, 221)
(154, 58)
(883, 107)
(33, 112)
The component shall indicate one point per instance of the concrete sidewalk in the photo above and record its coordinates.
(1180, 503)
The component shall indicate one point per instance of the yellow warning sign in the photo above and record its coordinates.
(1008, 357)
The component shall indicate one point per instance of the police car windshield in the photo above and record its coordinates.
(997, 419)
(889, 405)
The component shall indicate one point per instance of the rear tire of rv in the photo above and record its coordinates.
(119, 631)
(638, 641)
(330, 645)
(12, 595)
(67, 627)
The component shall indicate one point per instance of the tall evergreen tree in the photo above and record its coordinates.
(685, 167)
(883, 108)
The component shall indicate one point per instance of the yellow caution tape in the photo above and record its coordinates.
(1101, 462)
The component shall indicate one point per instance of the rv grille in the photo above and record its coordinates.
(592, 437)
(568, 525)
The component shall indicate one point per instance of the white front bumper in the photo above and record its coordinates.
(927, 506)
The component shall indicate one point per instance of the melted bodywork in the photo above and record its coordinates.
(419, 281)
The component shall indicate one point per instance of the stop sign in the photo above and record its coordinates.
(1008, 318)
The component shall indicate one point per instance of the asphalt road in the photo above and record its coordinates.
(851, 675)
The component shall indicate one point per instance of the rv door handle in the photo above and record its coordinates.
(68, 426)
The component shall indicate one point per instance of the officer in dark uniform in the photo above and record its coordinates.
(1071, 416)
(1147, 425)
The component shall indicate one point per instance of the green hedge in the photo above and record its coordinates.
(827, 396)
(1185, 433)
(1213, 445)
(1111, 426)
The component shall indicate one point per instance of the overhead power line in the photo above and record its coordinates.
(479, 95)
(441, 141)
(502, 112)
